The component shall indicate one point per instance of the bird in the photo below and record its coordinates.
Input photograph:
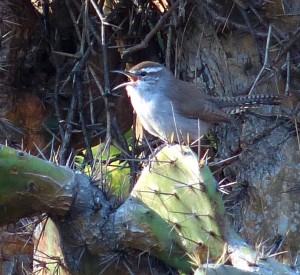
(175, 110)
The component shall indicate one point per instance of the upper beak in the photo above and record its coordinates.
(130, 75)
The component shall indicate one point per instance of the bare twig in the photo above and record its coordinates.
(291, 42)
(227, 19)
(223, 19)
(156, 28)
(288, 73)
(56, 99)
(63, 153)
(98, 83)
(297, 132)
(106, 90)
(106, 149)
(40, 152)
(83, 124)
(169, 44)
(111, 119)
(45, 8)
(104, 48)
(276, 34)
(266, 64)
(245, 16)
(73, 19)
(75, 56)
(184, 33)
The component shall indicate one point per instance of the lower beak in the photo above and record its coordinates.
(130, 75)
(122, 85)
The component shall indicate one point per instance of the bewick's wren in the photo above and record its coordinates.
(170, 108)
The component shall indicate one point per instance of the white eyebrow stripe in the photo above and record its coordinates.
(152, 70)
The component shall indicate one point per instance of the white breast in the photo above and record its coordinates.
(160, 119)
(145, 108)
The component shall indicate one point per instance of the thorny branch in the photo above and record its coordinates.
(67, 132)
(112, 124)
(275, 32)
(156, 28)
(89, 30)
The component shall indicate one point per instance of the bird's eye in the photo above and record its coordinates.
(143, 73)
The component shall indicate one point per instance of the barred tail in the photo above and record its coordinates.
(250, 101)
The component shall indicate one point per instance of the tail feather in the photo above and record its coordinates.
(245, 102)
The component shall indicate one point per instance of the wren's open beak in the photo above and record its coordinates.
(130, 75)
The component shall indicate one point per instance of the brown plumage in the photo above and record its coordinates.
(169, 107)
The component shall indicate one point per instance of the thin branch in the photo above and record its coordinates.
(266, 64)
(73, 19)
(63, 153)
(247, 21)
(297, 132)
(288, 73)
(291, 42)
(156, 28)
(82, 121)
(104, 48)
(169, 44)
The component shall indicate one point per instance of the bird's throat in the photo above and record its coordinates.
(130, 90)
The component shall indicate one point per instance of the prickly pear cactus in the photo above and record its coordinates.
(184, 194)
(186, 215)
